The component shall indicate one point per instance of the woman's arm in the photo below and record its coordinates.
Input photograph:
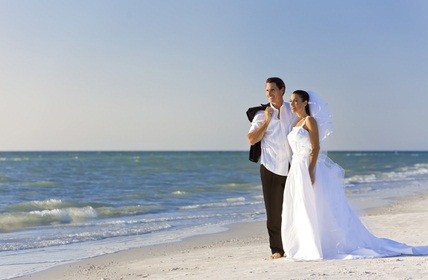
(312, 127)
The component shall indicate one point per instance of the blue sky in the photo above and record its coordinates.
(179, 75)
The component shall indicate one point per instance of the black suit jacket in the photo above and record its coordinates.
(256, 149)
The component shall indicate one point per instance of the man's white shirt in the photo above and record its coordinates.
(276, 152)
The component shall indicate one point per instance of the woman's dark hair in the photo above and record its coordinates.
(277, 81)
(305, 97)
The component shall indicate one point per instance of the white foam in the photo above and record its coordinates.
(179, 193)
(13, 221)
(68, 214)
(401, 174)
(30, 261)
(235, 199)
(47, 204)
(232, 201)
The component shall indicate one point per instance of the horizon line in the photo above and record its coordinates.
(185, 150)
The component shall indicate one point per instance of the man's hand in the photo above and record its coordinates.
(257, 135)
(268, 114)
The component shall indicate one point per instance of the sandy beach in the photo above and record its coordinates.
(242, 251)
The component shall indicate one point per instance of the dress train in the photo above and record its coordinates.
(317, 220)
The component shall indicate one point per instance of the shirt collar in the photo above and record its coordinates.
(275, 108)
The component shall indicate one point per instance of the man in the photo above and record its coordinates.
(270, 127)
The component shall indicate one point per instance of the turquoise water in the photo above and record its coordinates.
(72, 205)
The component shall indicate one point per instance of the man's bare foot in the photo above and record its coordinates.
(275, 256)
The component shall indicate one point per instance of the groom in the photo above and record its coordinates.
(270, 125)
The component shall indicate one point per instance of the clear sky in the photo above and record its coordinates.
(180, 74)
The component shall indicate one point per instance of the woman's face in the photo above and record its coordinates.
(297, 104)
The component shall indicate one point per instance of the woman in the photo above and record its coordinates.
(317, 221)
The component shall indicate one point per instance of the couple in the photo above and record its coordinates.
(308, 215)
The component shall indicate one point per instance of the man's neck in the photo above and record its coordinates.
(277, 105)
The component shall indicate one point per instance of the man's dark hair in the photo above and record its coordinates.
(278, 81)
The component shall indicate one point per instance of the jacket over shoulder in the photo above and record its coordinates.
(255, 150)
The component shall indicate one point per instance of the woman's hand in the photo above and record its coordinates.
(312, 175)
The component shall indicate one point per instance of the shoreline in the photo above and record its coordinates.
(242, 251)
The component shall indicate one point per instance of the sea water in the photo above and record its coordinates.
(57, 207)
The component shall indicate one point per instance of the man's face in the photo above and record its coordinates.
(274, 94)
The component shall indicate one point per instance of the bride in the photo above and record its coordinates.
(317, 221)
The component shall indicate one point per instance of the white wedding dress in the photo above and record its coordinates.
(317, 220)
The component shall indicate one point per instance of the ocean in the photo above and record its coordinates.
(58, 207)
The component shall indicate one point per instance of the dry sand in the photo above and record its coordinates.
(242, 253)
